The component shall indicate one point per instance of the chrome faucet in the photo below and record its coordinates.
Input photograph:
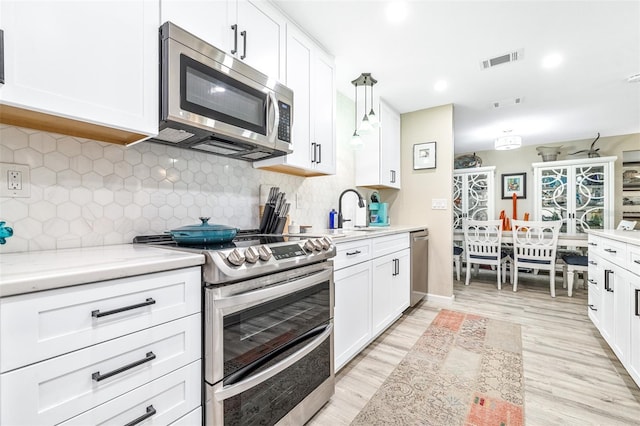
(341, 220)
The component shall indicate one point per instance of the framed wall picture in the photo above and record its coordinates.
(424, 156)
(514, 183)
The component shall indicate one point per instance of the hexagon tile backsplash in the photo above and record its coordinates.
(87, 193)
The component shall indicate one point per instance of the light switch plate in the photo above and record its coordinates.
(15, 180)
(438, 204)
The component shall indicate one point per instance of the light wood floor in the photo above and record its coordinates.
(571, 375)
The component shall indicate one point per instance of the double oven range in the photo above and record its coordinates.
(267, 328)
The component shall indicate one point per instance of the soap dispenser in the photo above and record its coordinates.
(333, 215)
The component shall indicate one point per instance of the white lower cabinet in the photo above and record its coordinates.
(614, 272)
(103, 352)
(160, 402)
(372, 281)
(634, 344)
(390, 289)
(352, 311)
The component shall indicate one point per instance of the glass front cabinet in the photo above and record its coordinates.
(473, 194)
(578, 192)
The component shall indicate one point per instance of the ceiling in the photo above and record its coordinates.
(587, 93)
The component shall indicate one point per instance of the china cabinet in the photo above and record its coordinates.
(473, 194)
(578, 192)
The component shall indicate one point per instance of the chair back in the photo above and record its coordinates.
(535, 243)
(482, 238)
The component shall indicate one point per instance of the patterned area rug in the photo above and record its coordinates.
(464, 370)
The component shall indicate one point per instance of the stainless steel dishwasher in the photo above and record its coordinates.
(419, 265)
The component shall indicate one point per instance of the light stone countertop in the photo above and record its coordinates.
(44, 270)
(630, 237)
(352, 234)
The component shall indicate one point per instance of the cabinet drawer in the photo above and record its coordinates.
(594, 244)
(390, 244)
(194, 418)
(164, 400)
(351, 253)
(38, 326)
(613, 251)
(633, 259)
(60, 388)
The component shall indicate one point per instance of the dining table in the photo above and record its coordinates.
(564, 239)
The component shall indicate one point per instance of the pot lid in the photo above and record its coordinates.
(204, 226)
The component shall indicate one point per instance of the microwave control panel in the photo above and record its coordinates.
(284, 126)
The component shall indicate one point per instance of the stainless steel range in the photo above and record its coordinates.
(268, 328)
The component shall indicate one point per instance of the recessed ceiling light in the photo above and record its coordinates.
(440, 85)
(397, 11)
(552, 60)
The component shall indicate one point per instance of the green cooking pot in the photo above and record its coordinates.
(203, 233)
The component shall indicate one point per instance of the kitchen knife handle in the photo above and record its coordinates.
(234, 27)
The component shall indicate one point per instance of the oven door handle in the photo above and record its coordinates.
(238, 385)
(254, 297)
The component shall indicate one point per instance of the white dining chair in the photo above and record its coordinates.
(457, 260)
(574, 264)
(483, 246)
(534, 246)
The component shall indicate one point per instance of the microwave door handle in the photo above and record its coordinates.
(273, 104)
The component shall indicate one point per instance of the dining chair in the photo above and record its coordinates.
(457, 260)
(483, 246)
(534, 246)
(574, 263)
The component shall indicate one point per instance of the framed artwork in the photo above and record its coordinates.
(424, 156)
(514, 183)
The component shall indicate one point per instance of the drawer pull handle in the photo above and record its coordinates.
(637, 261)
(98, 377)
(607, 285)
(594, 282)
(591, 262)
(150, 412)
(610, 251)
(593, 244)
(353, 253)
(637, 303)
(592, 308)
(98, 314)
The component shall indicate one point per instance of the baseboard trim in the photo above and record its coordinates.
(442, 300)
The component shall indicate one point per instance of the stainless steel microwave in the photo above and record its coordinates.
(212, 102)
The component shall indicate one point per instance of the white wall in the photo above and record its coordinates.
(412, 204)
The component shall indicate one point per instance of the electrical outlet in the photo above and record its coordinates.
(438, 204)
(14, 180)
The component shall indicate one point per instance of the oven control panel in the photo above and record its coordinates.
(288, 251)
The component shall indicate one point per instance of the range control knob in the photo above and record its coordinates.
(252, 255)
(317, 244)
(236, 257)
(264, 252)
(309, 246)
(326, 242)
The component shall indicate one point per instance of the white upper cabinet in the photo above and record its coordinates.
(378, 164)
(311, 76)
(87, 69)
(252, 31)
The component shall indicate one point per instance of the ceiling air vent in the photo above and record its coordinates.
(516, 55)
(506, 102)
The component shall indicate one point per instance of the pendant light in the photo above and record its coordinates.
(369, 120)
(356, 141)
